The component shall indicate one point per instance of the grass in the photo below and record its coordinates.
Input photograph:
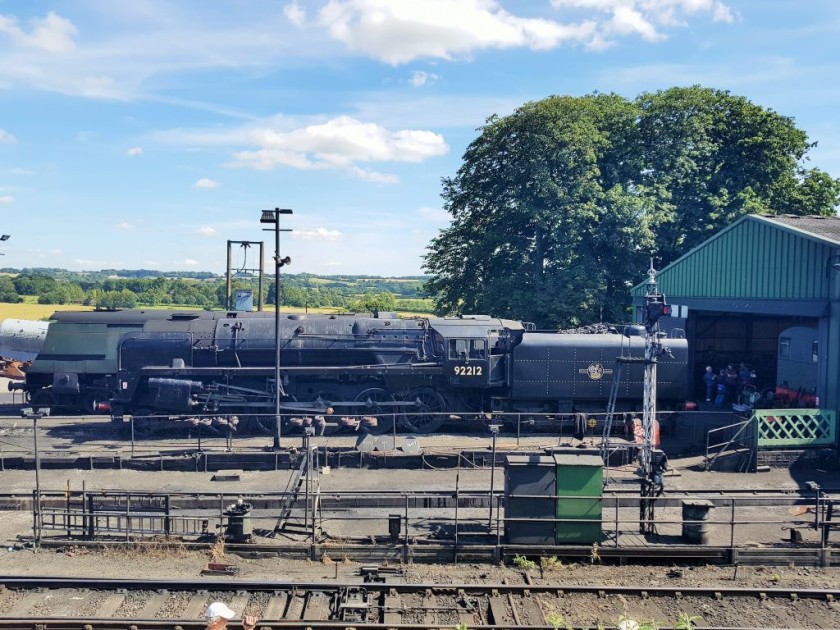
(158, 547)
(522, 562)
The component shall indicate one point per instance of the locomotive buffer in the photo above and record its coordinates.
(651, 462)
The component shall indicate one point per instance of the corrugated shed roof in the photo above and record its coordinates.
(826, 228)
(757, 257)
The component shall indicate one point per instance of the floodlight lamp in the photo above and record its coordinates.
(271, 216)
(5, 237)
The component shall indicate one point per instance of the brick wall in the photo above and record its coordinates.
(828, 457)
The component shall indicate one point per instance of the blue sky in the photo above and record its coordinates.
(148, 133)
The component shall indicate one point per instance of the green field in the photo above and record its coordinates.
(31, 310)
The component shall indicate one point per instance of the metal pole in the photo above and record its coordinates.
(273, 216)
(732, 526)
(495, 430)
(278, 424)
(228, 281)
(306, 472)
(261, 298)
(37, 522)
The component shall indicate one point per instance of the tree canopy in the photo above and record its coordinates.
(558, 207)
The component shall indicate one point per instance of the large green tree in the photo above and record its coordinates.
(711, 157)
(557, 207)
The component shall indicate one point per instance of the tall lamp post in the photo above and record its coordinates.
(4, 237)
(273, 217)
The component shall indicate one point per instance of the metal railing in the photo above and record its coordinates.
(739, 435)
(83, 436)
(456, 522)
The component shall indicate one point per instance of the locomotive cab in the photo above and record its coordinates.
(474, 349)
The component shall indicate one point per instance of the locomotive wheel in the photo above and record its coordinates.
(385, 415)
(42, 398)
(424, 409)
(145, 424)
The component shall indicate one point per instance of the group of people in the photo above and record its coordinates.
(722, 387)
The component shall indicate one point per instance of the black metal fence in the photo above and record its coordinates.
(315, 522)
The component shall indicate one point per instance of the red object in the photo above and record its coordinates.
(639, 432)
(103, 406)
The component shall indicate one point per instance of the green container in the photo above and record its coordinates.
(530, 482)
(579, 475)
(239, 527)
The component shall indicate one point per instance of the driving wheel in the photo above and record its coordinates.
(384, 414)
(424, 409)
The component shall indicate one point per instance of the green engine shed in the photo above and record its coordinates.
(745, 294)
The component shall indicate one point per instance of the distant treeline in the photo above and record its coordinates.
(130, 289)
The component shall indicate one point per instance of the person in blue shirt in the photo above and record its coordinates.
(710, 379)
(720, 399)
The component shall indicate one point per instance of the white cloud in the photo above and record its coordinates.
(723, 13)
(6, 137)
(339, 143)
(375, 177)
(295, 14)
(125, 226)
(139, 41)
(206, 231)
(206, 183)
(189, 262)
(128, 48)
(317, 234)
(52, 34)
(134, 151)
(628, 21)
(398, 32)
(56, 252)
(420, 78)
(21, 171)
(7, 199)
(617, 18)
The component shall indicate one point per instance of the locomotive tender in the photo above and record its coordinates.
(417, 370)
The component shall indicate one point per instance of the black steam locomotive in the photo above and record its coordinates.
(415, 370)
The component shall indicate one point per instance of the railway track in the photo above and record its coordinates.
(90, 604)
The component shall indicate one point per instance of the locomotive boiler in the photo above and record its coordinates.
(414, 370)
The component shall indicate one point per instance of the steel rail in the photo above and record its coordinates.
(227, 585)
(483, 600)
(79, 623)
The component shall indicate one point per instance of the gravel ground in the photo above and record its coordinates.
(166, 564)
(574, 609)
